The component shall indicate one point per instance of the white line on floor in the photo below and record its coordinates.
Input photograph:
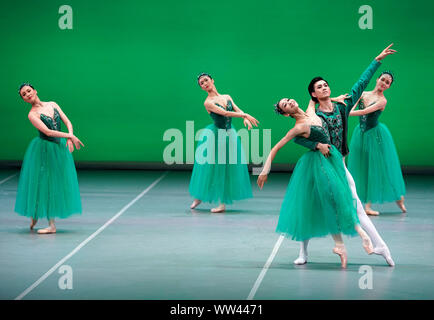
(265, 268)
(81, 245)
(6, 179)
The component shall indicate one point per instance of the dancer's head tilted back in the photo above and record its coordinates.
(205, 81)
(286, 107)
(384, 81)
(27, 92)
(319, 89)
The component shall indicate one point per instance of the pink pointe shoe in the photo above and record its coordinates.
(342, 253)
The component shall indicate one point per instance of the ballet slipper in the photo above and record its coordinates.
(33, 223)
(372, 212)
(342, 253)
(221, 208)
(195, 203)
(48, 230)
(384, 251)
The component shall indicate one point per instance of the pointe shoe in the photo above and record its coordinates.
(372, 212)
(401, 205)
(384, 251)
(342, 253)
(219, 209)
(367, 245)
(195, 203)
(48, 230)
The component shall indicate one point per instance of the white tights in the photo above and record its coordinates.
(380, 246)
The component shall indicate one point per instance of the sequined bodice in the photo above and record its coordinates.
(370, 120)
(319, 134)
(220, 121)
(335, 126)
(52, 124)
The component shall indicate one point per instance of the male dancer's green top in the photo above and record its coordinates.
(337, 120)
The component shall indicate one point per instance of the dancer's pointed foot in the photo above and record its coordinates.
(401, 205)
(195, 203)
(221, 208)
(372, 212)
(33, 223)
(47, 230)
(367, 244)
(342, 253)
(384, 251)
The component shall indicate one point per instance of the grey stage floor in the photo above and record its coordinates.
(155, 247)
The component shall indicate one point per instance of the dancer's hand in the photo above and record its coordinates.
(77, 142)
(70, 145)
(385, 53)
(261, 180)
(247, 124)
(341, 99)
(324, 149)
(252, 120)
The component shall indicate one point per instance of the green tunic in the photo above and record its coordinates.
(337, 120)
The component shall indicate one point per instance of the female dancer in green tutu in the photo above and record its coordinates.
(373, 160)
(48, 186)
(318, 200)
(220, 171)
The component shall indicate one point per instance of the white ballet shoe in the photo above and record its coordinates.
(384, 251)
(300, 260)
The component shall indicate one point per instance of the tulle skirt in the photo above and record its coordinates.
(220, 173)
(318, 200)
(48, 186)
(374, 165)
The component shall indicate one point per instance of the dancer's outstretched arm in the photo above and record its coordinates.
(362, 83)
(246, 122)
(38, 124)
(297, 130)
(211, 107)
(379, 105)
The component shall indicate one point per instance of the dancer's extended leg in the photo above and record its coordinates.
(380, 246)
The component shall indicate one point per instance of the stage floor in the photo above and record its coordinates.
(138, 239)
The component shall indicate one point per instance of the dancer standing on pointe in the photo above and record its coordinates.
(48, 186)
(336, 117)
(307, 211)
(220, 171)
(373, 160)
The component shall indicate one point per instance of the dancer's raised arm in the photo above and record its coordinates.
(297, 130)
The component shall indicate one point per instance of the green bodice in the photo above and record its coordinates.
(319, 134)
(220, 121)
(370, 120)
(334, 121)
(52, 124)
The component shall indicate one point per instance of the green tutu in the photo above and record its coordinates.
(48, 186)
(374, 165)
(318, 201)
(220, 173)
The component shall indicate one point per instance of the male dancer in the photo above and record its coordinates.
(336, 117)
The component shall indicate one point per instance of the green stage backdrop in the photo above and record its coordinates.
(126, 71)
